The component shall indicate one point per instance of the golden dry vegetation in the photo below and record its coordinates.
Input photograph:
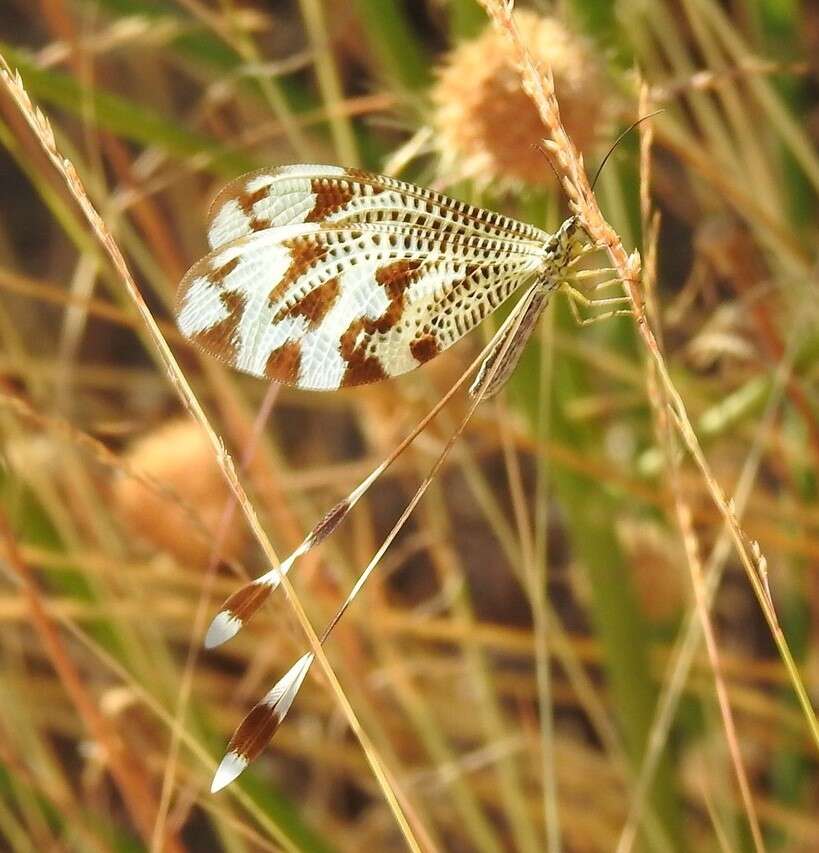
(599, 628)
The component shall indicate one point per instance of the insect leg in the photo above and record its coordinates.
(577, 297)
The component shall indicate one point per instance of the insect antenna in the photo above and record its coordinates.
(617, 141)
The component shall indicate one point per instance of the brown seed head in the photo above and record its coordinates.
(486, 126)
(178, 456)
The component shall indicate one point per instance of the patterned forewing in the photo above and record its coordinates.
(290, 195)
(323, 307)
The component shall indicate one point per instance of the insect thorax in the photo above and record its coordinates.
(566, 244)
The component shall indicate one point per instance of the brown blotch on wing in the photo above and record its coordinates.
(246, 601)
(255, 731)
(219, 274)
(247, 200)
(361, 366)
(397, 276)
(424, 348)
(221, 339)
(304, 253)
(313, 306)
(331, 195)
(284, 362)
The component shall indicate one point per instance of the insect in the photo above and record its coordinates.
(322, 278)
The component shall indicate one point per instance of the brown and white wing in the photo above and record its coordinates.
(290, 195)
(324, 306)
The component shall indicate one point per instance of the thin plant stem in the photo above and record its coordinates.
(688, 534)
(38, 124)
(540, 592)
(198, 624)
(126, 768)
(540, 88)
(329, 83)
(686, 647)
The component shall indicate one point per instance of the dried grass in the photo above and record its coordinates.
(510, 650)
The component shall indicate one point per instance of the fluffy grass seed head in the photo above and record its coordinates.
(178, 456)
(486, 126)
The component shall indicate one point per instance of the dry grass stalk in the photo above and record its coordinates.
(692, 550)
(127, 769)
(37, 122)
(666, 439)
(682, 659)
(539, 85)
(400, 635)
(226, 523)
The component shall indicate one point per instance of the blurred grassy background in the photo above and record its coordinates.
(527, 661)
